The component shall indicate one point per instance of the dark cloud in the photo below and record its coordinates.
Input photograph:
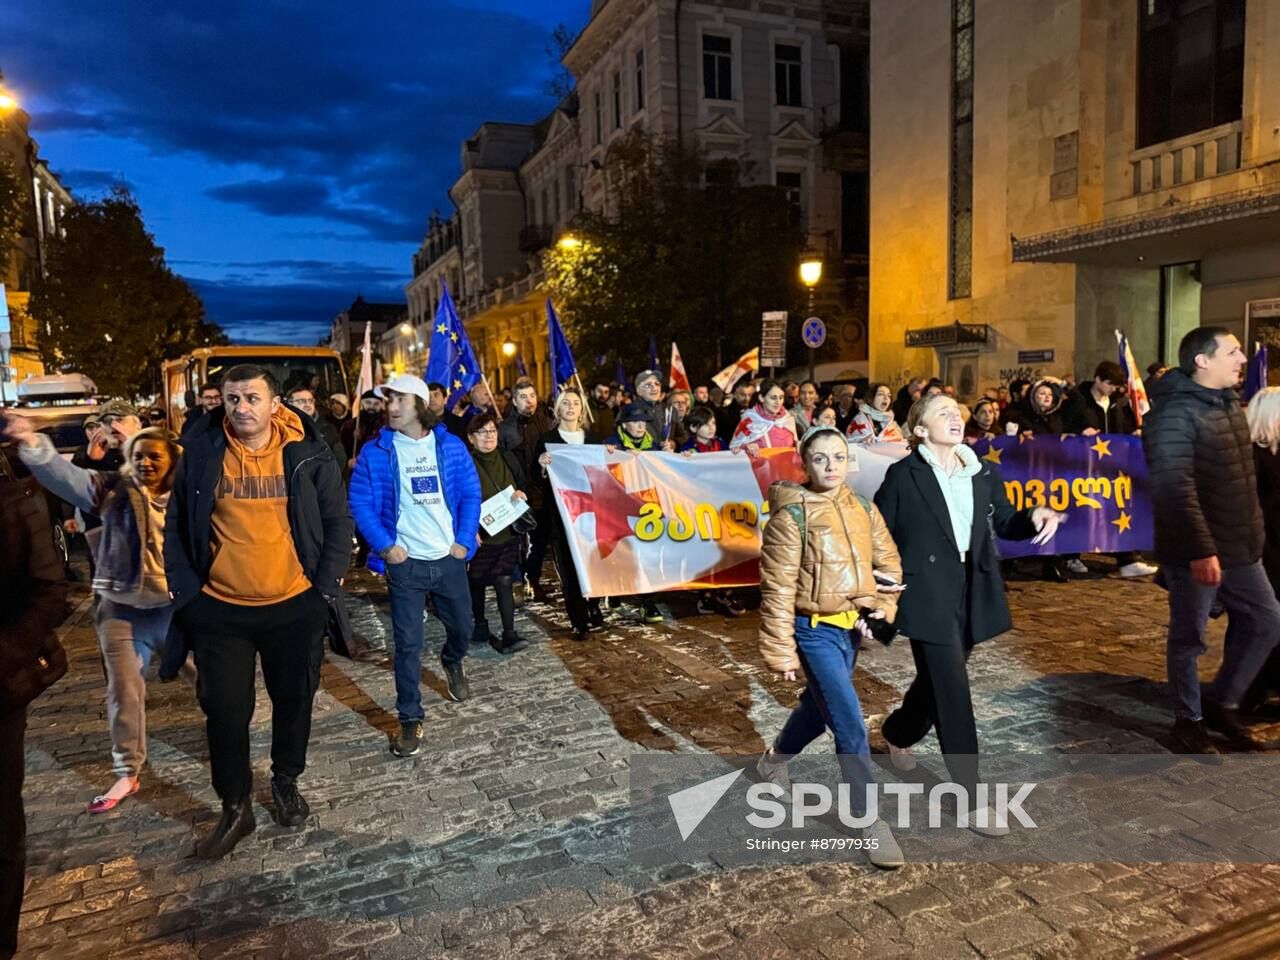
(358, 107)
(266, 310)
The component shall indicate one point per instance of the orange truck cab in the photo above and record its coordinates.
(319, 367)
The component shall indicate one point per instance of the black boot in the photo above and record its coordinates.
(512, 643)
(1191, 737)
(291, 810)
(1229, 723)
(1053, 571)
(236, 822)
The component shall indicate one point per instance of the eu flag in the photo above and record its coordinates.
(451, 360)
(562, 362)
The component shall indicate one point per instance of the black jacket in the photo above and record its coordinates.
(33, 588)
(1204, 493)
(538, 478)
(1081, 412)
(519, 435)
(317, 508)
(913, 507)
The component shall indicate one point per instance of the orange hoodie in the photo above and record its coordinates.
(255, 562)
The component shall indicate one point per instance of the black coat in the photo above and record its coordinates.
(519, 435)
(317, 509)
(1268, 467)
(1204, 493)
(550, 513)
(33, 588)
(1082, 412)
(914, 509)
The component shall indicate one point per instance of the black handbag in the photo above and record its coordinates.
(526, 523)
(31, 672)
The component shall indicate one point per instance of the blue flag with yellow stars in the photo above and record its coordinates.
(1099, 482)
(451, 360)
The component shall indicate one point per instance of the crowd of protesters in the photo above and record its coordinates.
(226, 540)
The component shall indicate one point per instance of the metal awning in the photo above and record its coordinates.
(950, 335)
(1174, 233)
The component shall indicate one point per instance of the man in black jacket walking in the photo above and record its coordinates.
(32, 604)
(257, 543)
(519, 435)
(1209, 534)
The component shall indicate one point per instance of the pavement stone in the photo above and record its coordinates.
(510, 834)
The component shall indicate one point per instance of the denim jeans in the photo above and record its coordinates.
(409, 584)
(128, 638)
(1253, 627)
(830, 701)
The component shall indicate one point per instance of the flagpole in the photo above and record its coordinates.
(578, 380)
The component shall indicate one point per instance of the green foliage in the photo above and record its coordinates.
(109, 306)
(675, 259)
(11, 213)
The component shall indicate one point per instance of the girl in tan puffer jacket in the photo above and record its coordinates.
(823, 547)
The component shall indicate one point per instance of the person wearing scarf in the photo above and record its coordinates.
(496, 560)
(767, 424)
(875, 423)
(632, 431)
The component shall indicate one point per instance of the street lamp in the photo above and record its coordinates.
(7, 102)
(508, 348)
(810, 276)
(568, 242)
(405, 329)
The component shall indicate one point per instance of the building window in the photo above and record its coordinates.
(717, 67)
(855, 214)
(855, 90)
(791, 183)
(570, 189)
(787, 63)
(1190, 67)
(960, 254)
(617, 100)
(555, 201)
(599, 118)
(639, 80)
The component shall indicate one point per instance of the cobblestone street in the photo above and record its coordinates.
(508, 834)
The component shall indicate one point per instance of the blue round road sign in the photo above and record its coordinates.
(814, 332)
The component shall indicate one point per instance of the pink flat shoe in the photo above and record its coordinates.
(104, 803)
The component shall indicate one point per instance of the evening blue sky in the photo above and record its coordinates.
(285, 154)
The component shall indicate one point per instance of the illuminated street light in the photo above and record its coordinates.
(569, 242)
(509, 348)
(405, 329)
(7, 101)
(810, 269)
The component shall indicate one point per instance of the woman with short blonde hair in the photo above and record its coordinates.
(558, 408)
(1263, 415)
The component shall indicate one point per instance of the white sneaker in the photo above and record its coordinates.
(902, 758)
(882, 849)
(1138, 569)
(773, 769)
(992, 829)
(1076, 565)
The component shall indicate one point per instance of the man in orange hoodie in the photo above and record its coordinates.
(257, 543)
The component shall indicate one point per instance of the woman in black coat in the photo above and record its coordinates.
(945, 508)
(570, 413)
(1264, 430)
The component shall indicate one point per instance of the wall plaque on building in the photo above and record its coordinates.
(773, 338)
(1065, 179)
(1035, 356)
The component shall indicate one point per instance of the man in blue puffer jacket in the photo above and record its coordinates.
(415, 496)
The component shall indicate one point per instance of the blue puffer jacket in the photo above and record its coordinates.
(374, 494)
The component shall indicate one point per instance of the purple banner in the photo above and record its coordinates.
(1100, 482)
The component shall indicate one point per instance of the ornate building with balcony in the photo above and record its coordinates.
(45, 202)
(783, 89)
(1049, 171)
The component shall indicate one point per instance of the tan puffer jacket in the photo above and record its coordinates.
(831, 572)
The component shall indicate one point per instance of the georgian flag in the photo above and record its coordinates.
(1137, 392)
(678, 380)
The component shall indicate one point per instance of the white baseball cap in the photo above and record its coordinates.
(406, 383)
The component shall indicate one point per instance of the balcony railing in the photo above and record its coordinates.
(1197, 156)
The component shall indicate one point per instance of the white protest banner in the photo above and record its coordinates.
(648, 522)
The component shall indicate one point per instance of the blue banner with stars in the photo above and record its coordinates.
(1099, 482)
(451, 361)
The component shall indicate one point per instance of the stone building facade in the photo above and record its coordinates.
(780, 88)
(1045, 172)
(45, 202)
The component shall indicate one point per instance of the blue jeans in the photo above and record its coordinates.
(1253, 627)
(830, 701)
(409, 584)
